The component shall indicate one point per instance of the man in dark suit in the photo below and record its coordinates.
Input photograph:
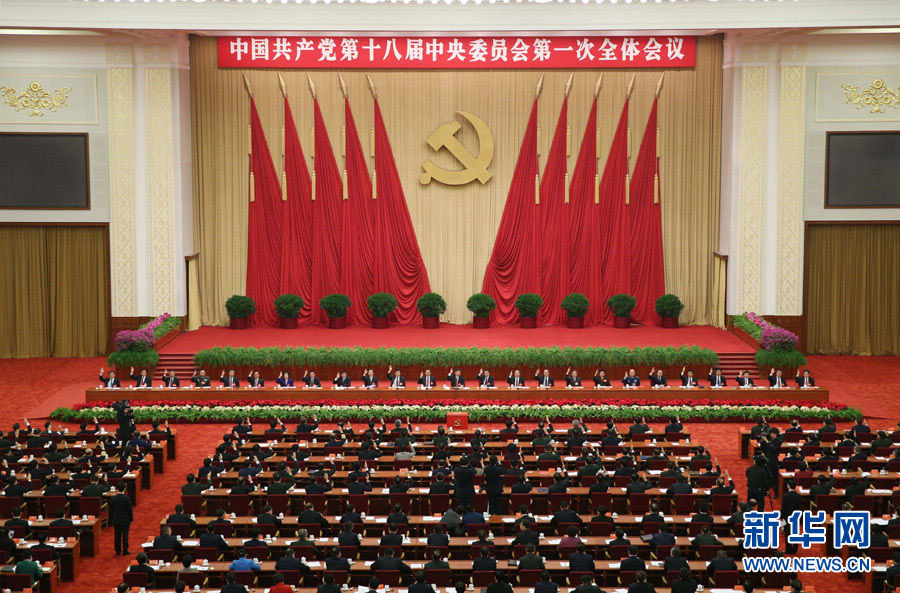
(463, 483)
(515, 379)
(389, 562)
(587, 585)
(776, 379)
(395, 378)
(664, 537)
(581, 561)
(290, 562)
(633, 562)
(688, 379)
(170, 380)
(565, 515)
(657, 378)
(791, 501)
(142, 566)
(254, 380)
(526, 535)
(805, 380)
(310, 516)
(328, 585)
(743, 379)
(674, 562)
(166, 541)
(143, 379)
(230, 380)
(391, 538)
(110, 381)
(716, 378)
(684, 584)
(759, 480)
(631, 379)
(420, 586)
(544, 380)
(572, 378)
(456, 379)
(426, 380)
(531, 561)
(720, 562)
(484, 562)
(121, 515)
(485, 379)
(209, 539)
(311, 380)
(546, 584)
(640, 585)
(180, 517)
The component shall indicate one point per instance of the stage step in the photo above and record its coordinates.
(734, 362)
(181, 363)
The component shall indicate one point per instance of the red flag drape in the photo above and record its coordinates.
(263, 226)
(586, 270)
(296, 252)
(404, 273)
(614, 233)
(553, 226)
(513, 267)
(327, 222)
(359, 237)
(648, 281)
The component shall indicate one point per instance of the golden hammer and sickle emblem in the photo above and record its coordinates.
(476, 166)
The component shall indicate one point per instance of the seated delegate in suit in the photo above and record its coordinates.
(395, 378)
(544, 380)
(369, 380)
(776, 379)
(231, 380)
(631, 379)
(743, 379)
(515, 379)
(170, 380)
(311, 380)
(716, 378)
(657, 378)
(456, 379)
(688, 380)
(572, 378)
(200, 379)
(110, 381)
(342, 380)
(485, 379)
(284, 379)
(600, 379)
(143, 379)
(805, 380)
(254, 380)
(426, 380)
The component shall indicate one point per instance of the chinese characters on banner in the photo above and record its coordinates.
(661, 51)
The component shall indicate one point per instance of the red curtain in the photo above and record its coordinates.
(648, 281)
(327, 222)
(585, 272)
(614, 233)
(296, 252)
(553, 226)
(404, 270)
(513, 267)
(264, 227)
(359, 236)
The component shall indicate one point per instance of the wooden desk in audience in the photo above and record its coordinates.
(35, 498)
(412, 395)
(69, 556)
(88, 532)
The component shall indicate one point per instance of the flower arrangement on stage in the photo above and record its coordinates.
(778, 346)
(478, 408)
(554, 356)
(134, 347)
(162, 325)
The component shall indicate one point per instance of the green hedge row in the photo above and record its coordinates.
(223, 357)
(149, 358)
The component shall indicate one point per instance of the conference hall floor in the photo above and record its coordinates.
(32, 388)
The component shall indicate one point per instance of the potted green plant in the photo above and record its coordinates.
(481, 305)
(669, 307)
(576, 306)
(621, 306)
(431, 305)
(336, 305)
(288, 307)
(528, 305)
(240, 308)
(381, 304)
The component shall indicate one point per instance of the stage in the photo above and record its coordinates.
(451, 336)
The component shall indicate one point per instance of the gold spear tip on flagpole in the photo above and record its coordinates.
(540, 85)
(598, 85)
(569, 83)
(343, 85)
(247, 85)
(312, 85)
(283, 86)
(660, 83)
(371, 86)
(630, 87)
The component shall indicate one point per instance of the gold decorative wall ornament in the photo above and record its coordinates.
(876, 96)
(35, 98)
(476, 165)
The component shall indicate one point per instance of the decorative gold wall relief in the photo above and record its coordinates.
(876, 96)
(476, 165)
(35, 98)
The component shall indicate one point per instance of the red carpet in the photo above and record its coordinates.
(458, 336)
(34, 387)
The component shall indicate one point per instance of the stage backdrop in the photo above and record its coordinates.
(456, 226)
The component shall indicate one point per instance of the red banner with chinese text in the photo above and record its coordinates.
(660, 51)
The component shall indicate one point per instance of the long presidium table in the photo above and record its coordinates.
(500, 395)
